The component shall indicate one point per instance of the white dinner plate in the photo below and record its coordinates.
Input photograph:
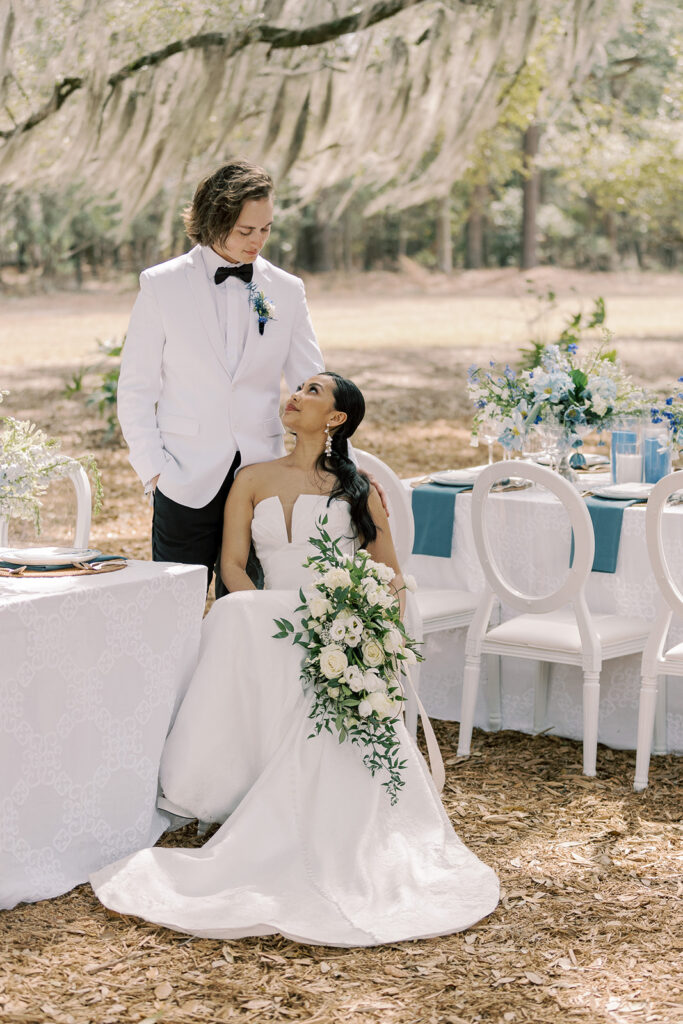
(48, 556)
(623, 492)
(457, 477)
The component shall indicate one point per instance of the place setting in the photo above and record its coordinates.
(44, 562)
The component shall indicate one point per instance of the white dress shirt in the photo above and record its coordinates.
(232, 306)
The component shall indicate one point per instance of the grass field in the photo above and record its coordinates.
(588, 929)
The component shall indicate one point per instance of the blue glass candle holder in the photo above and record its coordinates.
(656, 459)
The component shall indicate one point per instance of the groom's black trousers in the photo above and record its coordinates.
(193, 535)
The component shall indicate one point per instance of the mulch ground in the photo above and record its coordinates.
(588, 928)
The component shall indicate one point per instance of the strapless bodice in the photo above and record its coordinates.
(281, 559)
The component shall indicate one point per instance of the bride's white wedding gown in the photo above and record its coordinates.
(311, 847)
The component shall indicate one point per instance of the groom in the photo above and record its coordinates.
(210, 335)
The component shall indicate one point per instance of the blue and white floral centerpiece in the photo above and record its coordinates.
(567, 395)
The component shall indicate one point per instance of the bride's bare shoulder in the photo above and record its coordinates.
(259, 474)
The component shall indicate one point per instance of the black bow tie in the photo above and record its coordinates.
(245, 272)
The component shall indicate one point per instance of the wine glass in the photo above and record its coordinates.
(489, 432)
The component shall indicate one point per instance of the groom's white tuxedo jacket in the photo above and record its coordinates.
(182, 413)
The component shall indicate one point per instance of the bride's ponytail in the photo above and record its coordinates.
(351, 485)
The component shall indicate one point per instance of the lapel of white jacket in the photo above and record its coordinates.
(253, 345)
(201, 286)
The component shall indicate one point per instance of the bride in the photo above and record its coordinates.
(310, 845)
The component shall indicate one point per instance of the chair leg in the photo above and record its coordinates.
(660, 741)
(591, 709)
(541, 696)
(470, 685)
(646, 718)
(493, 691)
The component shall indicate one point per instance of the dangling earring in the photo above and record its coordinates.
(328, 440)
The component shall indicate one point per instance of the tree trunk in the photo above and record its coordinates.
(347, 241)
(611, 232)
(474, 230)
(402, 249)
(325, 260)
(530, 194)
(444, 242)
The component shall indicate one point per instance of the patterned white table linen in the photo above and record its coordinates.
(91, 672)
(532, 538)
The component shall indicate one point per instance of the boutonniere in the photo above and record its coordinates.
(262, 306)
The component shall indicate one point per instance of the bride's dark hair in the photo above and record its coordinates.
(351, 485)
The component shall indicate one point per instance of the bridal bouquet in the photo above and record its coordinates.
(29, 460)
(355, 644)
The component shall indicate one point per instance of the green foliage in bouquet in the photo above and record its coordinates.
(355, 646)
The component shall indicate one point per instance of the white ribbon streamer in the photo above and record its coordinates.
(436, 765)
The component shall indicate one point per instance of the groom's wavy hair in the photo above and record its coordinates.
(351, 485)
(219, 199)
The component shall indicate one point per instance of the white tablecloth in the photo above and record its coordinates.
(91, 670)
(532, 538)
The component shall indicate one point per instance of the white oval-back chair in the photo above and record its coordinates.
(79, 478)
(658, 663)
(438, 609)
(557, 627)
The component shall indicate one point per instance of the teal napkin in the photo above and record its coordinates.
(607, 516)
(434, 514)
(67, 565)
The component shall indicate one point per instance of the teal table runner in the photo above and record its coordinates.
(434, 515)
(607, 516)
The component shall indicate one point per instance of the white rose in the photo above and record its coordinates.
(385, 599)
(393, 641)
(382, 704)
(374, 596)
(365, 708)
(333, 691)
(410, 583)
(335, 578)
(353, 676)
(333, 661)
(373, 682)
(372, 653)
(319, 606)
